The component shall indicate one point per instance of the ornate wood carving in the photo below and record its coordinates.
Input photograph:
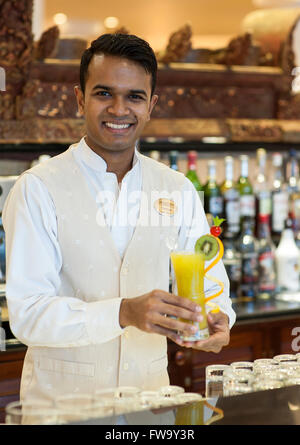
(178, 46)
(16, 50)
(47, 45)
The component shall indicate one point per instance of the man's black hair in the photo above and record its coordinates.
(127, 46)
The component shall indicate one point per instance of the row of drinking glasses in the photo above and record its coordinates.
(73, 408)
(245, 377)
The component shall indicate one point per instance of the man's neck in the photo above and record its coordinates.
(118, 162)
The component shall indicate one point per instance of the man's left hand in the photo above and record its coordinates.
(219, 334)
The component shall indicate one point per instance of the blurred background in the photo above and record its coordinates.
(213, 22)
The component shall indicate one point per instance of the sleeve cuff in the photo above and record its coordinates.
(102, 320)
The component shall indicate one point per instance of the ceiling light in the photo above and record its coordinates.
(111, 22)
(60, 18)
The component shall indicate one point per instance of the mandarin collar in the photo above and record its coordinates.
(95, 161)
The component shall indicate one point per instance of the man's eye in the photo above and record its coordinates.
(135, 97)
(103, 93)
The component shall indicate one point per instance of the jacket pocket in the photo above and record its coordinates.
(158, 365)
(66, 367)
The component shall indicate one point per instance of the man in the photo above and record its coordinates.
(87, 292)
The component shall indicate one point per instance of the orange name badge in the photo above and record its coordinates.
(165, 206)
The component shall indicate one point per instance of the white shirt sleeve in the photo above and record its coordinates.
(37, 315)
(194, 224)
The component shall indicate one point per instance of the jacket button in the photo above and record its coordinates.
(126, 366)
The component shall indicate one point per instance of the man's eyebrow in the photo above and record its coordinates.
(106, 88)
(102, 87)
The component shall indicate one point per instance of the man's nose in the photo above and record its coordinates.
(118, 107)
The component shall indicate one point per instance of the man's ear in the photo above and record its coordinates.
(154, 100)
(80, 100)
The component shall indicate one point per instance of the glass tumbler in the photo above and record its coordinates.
(242, 365)
(262, 383)
(33, 412)
(263, 364)
(290, 381)
(150, 399)
(237, 381)
(214, 380)
(290, 368)
(73, 408)
(122, 399)
(285, 358)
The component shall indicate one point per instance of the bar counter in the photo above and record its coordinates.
(263, 329)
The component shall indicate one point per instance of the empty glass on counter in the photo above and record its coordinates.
(263, 383)
(290, 368)
(121, 399)
(34, 412)
(74, 408)
(242, 365)
(293, 380)
(261, 364)
(285, 358)
(188, 397)
(237, 381)
(171, 390)
(214, 380)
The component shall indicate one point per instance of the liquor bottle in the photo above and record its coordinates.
(232, 262)
(213, 200)
(279, 199)
(231, 197)
(173, 160)
(247, 198)
(261, 189)
(248, 247)
(155, 154)
(287, 258)
(266, 260)
(192, 173)
(292, 172)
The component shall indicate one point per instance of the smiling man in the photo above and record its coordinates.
(88, 293)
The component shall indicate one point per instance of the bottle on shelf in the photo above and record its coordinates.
(213, 200)
(261, 189)
(154, 154)
(287, 258)
(192, 173)
(173, 160)
(247, 245)
(232, 262)
(279, 198)
(292, 172)
(247, 198)
(231, 197)
(266, 260)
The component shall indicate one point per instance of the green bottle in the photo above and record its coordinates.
(247, 198)
(192, 170)
(192, 173)
(213, 199)
(231, 196)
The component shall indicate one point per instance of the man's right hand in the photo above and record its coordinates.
(152, 313)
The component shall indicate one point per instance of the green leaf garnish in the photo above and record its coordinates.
(218, 221)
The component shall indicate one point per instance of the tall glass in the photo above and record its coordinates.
(189, 273)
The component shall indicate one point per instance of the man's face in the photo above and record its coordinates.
(117, 103)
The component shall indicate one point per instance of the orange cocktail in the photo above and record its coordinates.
(189, 273)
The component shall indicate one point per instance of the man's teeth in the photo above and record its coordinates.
(117, 127)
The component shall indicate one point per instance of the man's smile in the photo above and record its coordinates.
(117, 127)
